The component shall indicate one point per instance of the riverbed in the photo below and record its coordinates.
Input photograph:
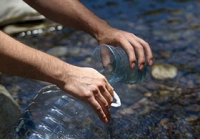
(156, 108)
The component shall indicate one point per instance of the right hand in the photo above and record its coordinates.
(133, 45)
(89, 85)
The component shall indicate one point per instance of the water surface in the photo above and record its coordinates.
(154, 109)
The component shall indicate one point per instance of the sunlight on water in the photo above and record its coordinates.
(153, 109)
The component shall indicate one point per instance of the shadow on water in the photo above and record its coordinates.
(154, 109)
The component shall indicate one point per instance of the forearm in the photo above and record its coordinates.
(70, 13)
(74, 14)
(21, 60)
(83, 83)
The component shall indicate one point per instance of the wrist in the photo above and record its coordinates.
(62, 75)
(101, 35)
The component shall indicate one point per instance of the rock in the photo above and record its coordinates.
(193, 108)
(142, 107)
(14, 89)
(9, 111)
(75, 51)
(164, 71)
(58, 51)
(163, 92)
(191, 118)
(148, 94)
(164, 121)
(165, 54)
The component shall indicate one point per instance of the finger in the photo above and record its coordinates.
(147, 50)
(98, 109)
(109, 88)
(103, 103)
(139, 51)
(130, 52)
(106, 94)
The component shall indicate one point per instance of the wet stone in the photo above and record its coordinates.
(195, 108)
(199, 95)
(148, 94)
(191, 118)
(131, 86)
(9, 111)
(165, 54)
(14, 89)
(164, 122)
(74, 51)
(58, 51)
(164, 71)
(163, 92)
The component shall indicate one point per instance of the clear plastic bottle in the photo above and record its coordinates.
(54, 114)
(114, 64)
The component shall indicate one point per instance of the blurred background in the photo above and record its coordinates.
(164, 106)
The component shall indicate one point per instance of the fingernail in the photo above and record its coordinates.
(150, 62)
(105, 120)
(132, 65)
(111, 99)
(141, 67)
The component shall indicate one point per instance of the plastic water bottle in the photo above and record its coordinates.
(113, 63)
(54, 114)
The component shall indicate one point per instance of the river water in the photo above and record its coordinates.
(153, 109)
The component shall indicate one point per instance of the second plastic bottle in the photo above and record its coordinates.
(54, 114)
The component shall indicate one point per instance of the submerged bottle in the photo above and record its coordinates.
(54, 114)
(113, 63)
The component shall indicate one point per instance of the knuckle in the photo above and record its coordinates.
(133, 35)
(102, 82)
(94, 88)
(87, 95)
(103, 78)
(130, 49)
(119, 36)
(110, 90)
(138, 46)
(146, 43)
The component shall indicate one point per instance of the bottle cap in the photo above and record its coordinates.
(118, 101)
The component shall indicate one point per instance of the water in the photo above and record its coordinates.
(153, 109)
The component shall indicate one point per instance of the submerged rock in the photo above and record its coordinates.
(58, 51)
(9, 111)
(164, 71)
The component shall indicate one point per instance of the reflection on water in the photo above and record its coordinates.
(154, 109)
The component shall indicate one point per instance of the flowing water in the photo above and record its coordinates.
(154, 109)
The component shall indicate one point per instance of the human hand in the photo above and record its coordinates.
(89, 85)
(133, 45)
